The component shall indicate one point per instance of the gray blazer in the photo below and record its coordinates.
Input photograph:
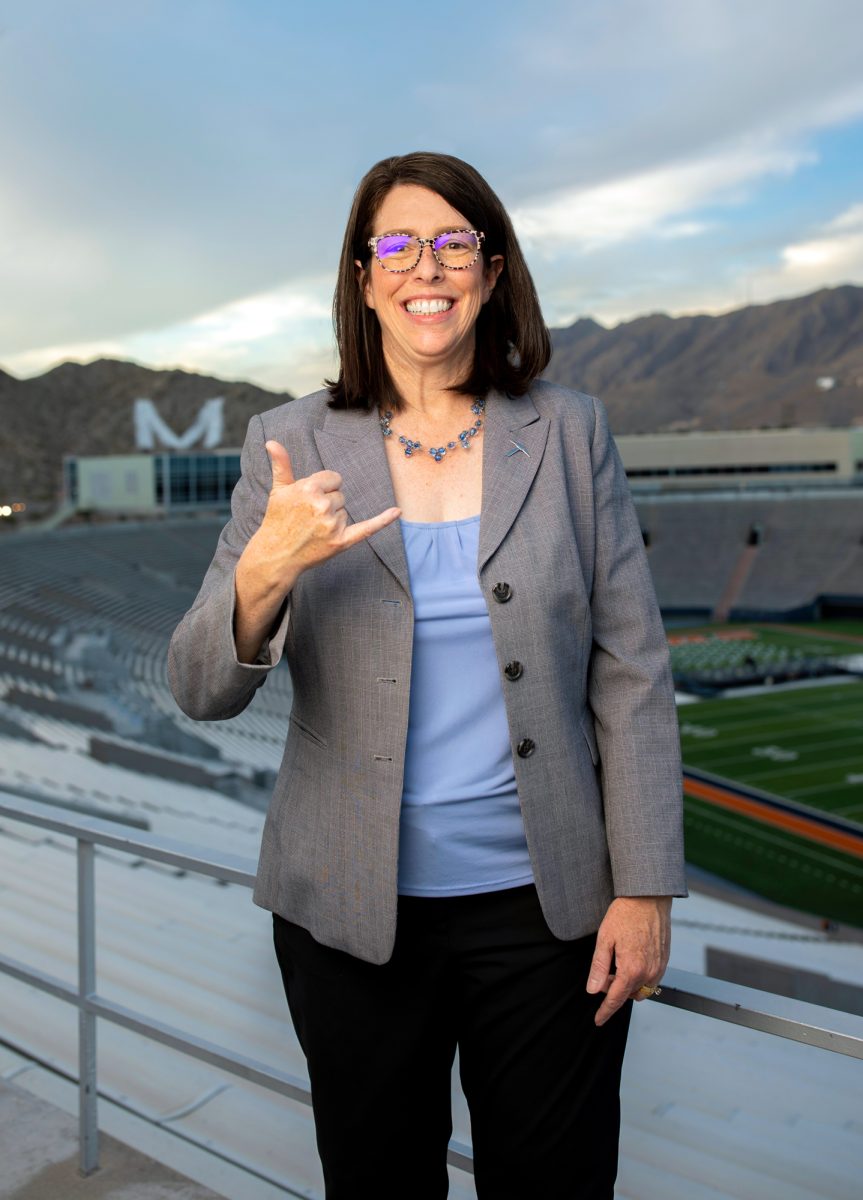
(592, 718)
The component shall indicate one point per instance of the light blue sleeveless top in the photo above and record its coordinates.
(461, 824)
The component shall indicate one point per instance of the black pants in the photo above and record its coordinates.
(482, 972)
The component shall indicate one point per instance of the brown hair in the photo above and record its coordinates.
(512, 342)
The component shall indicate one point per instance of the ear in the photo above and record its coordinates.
(364, 282)
(492, 274)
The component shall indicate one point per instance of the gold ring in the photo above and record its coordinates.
(646, 990)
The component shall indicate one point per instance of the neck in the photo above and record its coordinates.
(426, 387)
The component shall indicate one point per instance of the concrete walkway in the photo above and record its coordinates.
(39, 1156)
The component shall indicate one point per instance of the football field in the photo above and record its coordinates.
(803, 744)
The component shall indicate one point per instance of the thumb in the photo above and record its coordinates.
(281, 464)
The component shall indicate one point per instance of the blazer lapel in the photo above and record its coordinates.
(514, 441)
(351, 443)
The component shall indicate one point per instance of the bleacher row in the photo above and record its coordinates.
(127, 584)
(809, 546)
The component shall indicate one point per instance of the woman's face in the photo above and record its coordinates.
(413, 338)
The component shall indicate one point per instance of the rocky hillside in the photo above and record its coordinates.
(76, 409)
(754, 367)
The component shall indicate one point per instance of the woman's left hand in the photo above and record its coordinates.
(636, 936)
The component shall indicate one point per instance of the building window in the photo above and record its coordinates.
(742, 469)
(181, 479)
(70, 477)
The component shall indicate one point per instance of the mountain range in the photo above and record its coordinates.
(756, 367)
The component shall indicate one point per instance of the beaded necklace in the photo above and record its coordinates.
(438, 452)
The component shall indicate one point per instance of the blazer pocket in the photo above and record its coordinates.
(307, 731)
(590, 736)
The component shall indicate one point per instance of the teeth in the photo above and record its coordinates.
(428, 306)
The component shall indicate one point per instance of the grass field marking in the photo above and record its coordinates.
(730, 822)
(793, 703)
(804, 826)
(820, 787)
(776, 728)
(804, 768)
(743, 766)
(848, 809)
(735, 735)
(833, 692)
(782, 718)
(688, 729)
(803, 748)
(804, 851)
(775, 753)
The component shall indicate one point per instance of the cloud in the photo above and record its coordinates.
(645, 203)
(256, 338)
(852, 219)
(832, 257)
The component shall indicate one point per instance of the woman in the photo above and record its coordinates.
(476, 830)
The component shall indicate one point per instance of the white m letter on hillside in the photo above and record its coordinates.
(150, 428)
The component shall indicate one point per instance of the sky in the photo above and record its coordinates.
(175, 175)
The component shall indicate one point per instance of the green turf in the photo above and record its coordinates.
(805, 744)
(773, 863)
(855, 628)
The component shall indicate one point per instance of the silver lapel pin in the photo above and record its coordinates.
(518, 447)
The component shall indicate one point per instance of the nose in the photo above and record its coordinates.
(428, 267)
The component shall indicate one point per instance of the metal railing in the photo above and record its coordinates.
(826, 1028)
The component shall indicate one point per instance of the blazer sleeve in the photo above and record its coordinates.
(631, 693)
(207, 679)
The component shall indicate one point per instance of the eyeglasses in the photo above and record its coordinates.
(456, 250)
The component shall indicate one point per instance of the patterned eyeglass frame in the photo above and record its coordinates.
(423, 242)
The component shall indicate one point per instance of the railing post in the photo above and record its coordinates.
(88, 1127)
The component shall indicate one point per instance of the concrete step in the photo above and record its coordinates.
(39, 1151)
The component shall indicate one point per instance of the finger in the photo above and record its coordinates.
(280, 463)
(600, 967)
(638, 994)
(323, 481)
(365, 529)
(617, 995)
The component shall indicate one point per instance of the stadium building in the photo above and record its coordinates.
(161, 482)
(170, 480)
(744, 458)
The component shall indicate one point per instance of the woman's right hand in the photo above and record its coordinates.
(305, 523)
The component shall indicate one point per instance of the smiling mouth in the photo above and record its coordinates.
(421, 307)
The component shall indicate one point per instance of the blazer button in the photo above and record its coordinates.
(525, 748)
(513, 670)
(502, 592)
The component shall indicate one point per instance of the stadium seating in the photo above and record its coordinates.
(810, 546)
(130, 583)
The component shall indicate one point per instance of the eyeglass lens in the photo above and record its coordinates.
(399, 251)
